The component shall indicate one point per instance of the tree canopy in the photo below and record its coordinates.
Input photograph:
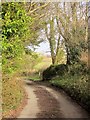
(64, 25)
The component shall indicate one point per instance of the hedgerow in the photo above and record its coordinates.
(54, 70)
(76, 86)
(73, 79)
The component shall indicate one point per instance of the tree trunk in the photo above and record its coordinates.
(68, 55)
(52, 51)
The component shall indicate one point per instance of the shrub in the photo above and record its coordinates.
(54, 70)
(76, 86)
(61, 69)
(78, 68)
(49, 73)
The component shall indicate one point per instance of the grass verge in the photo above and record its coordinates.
(12, 95)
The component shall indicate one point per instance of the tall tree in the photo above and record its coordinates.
(72, 26)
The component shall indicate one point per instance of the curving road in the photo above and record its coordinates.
(46, 102)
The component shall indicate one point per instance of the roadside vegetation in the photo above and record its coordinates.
(19, 30)
(27, 24)
(13, 93)
(72, 79)
(13, 25)
(36, 72)
(72, 75)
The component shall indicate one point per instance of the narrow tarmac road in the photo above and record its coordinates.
(46, 102)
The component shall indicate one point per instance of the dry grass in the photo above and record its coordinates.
(12, 94)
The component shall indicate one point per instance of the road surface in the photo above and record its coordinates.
(47, 102)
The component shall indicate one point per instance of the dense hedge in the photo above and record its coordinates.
(53, 71)
(79, 68)
(73, 79)
(76, 86)
(62, 69)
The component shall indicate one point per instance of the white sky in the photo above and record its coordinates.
(43, 48)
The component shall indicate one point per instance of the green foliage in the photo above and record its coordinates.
(74, 54)
(78, 68)
(75, 51)
(34, 77)
(52, 71)
(33, 67)
(61, 57)
(49, 73)
(76, 86)
(28, 63)
(61, 69)
(71, 78)
(14, 20)
(14, 32)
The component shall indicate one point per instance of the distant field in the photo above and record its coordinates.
(38, 69)
(46, 62)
